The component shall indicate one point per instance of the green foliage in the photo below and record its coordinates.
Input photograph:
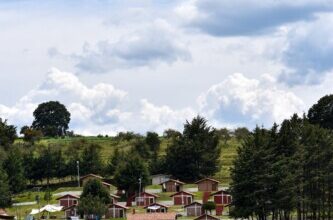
(153, 141)
(91, 205)
(47, 196)
(321, 113)
(52, 118)
(170, 134)
(95, 188)
(224, 134)
(7, 133)
(91, 161)
(241, 133)
(115, 159)
(209, 206)
(14, 167)
(31, 135)
(5, 195)
(129, 171)
(196, 153)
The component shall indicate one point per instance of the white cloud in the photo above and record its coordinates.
(242, 101)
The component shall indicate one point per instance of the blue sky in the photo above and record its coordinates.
(150, 65)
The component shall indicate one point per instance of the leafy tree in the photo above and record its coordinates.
(129, 171)
(224, 134)
(170, 133)
(14, 167)
(91, 160)
(5, 195)
(209, 206)
(115, 159)
(141, 147)
(196, 153)
(321, 113)
(31, 135)
(91, 206)
(241, 133)
(7, 133)
(52, 118)
(153, 141)
(95, 188)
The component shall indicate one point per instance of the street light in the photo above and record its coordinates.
(140, 191)
(78, 172)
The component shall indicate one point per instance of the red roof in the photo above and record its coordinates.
(220, 192)
(118, 206)
(91, 175)
(69, 195)
(206, 216)
(173, 180)
(148, 194)
(209, 179)
(155, 203)
(182, 192)
(193, 203)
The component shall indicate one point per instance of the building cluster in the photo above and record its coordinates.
(148, 201)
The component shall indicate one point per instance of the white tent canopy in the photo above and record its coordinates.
(47, 208)
(154, 207)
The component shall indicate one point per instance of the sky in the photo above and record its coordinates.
(144, 65)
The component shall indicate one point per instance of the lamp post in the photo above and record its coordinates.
(78, 172)
(140, 191)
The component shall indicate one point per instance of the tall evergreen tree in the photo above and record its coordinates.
(91, 160)
(5, 195)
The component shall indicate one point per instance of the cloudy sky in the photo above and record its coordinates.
(144, 65)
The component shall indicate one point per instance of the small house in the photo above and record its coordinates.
(207, 185)
(145, 199)
(156, 207)
(116, 211)
(86, 178)
(71, 211)
(159, 178)
(182, 198)
(222, 197)
(206, 217)
(68, 200)
(194, 209)
(172, 185)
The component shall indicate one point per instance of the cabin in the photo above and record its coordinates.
(222, 197)
(207, 185)
(145, 199)
(206, 217)
(68, 200)
(86, 178)
(194, 209)
(156, 207)
(116, 211)
(172, 185)
(114, 198)
(4, 215)
(71, 211)
(159, 178)
(182, 198)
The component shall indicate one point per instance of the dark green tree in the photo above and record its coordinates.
(91, 160)
(92, 206)
(209, 206)
(7, 133)
(31, 135)
(5, 195)
(153, 141)
(13, 165)
(95, 188)
(224, 134)
(116, 158)
(196, 153)
(52, 118)
(321, 113)
(241, 133)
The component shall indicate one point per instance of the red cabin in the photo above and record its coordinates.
(156, 207)
(116, 211)
(71, 211)
(172, 185)
(145, 199)
(68, 200)
(222, 197)
(207, 185)
(194, 209)
(182, 198)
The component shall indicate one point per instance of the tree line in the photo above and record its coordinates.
(286, 171)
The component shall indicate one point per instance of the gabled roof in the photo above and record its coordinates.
(193, 203)
(204, 216)
(158, 204)
(220, 191)
(149, 194)
(69, 195)
(114, 196)
(173, 180)
(181, 192)
(209, 179)
(117, 206)
(91, 175)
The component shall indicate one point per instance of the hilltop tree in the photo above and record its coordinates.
(321, 113)
(153, 141)
(91, 161)
(196, 153)
(7, 133)
(31, 135)
(5, 196)
(224, 134)
(241, 133)
(52, 118)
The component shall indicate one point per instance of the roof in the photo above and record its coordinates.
(69, 195)
(209, 179)
(114, 196)
(152, 216)
(149, 194)
(105, 183)
(91, 175)
(205, 216)
(182, 192)
(4, 214)
(118, 206)
(158, 204)
(173, 180)
(220, 191)
(193, 203)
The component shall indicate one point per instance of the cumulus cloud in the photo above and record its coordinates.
(309, 53)
(152, 44)
(239, 100)
(247, 17)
